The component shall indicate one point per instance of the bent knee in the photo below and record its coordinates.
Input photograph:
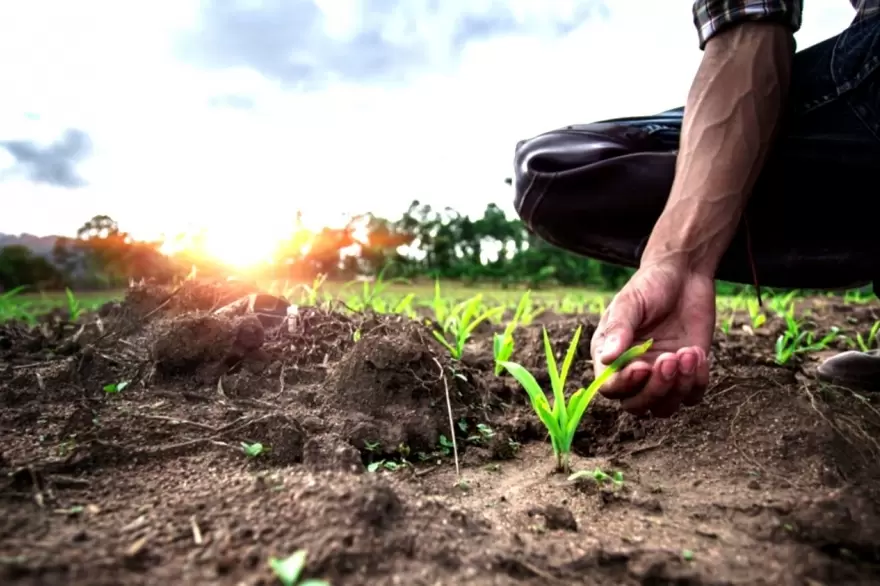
(574, 157)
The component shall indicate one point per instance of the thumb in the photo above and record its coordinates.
(618, 334)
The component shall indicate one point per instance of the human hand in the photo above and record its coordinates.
(675, 307)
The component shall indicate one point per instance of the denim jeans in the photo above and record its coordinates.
(597, 189)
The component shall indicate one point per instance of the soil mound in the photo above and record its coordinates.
(391, 389)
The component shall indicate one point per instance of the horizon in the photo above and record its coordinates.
(229, 120)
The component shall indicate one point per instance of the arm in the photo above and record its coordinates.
(730, 120)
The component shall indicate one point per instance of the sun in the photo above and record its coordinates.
(238, 248)
(241, 249)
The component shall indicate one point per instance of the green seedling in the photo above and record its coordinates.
(484, 433)
(370, 291)
(289, 570)
(402, 306)
(503, 344)
(783, 305)
(571, 305)
(597, 305)
(871, 341)
(562, 419)
(461, 323)
(253, 450)
(439, 304)
(528, 313)
(756, 315)
(727, 322)
(74, 308)
(445, 445)
(599, 476)
(390, 465)
(796, 340)
(11, 306)
(310, 294)
(114, 388)
(858, 297)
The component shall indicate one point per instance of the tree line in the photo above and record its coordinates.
(423, 242)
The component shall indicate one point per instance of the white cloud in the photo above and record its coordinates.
(164, 159)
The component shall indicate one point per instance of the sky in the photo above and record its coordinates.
(230, 115)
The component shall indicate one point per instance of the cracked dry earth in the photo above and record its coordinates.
(772, 480)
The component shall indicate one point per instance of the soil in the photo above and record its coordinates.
(773, 479)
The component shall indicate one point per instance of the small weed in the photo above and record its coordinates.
(114, 388)
(289, 570)
(599, 476)
(253, 450)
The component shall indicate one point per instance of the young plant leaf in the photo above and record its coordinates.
(581, 399)
(536, 397)
(555, 385)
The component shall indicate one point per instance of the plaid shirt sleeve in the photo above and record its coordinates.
(713, 16)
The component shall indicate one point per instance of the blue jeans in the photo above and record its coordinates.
(597, 189)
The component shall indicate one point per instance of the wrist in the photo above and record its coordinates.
(694, 241)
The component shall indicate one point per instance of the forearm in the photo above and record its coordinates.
(730, 120)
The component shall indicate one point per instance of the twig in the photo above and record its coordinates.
(280, 382)
(647, 448)
(38, 494)
(451, 420)
(424, 471)
(38, 364)
(537, 572)
(197, 533)
(176, 421)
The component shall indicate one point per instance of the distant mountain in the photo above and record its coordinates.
(41, 245)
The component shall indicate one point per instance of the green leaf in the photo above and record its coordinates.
(442, 340)
(555, 384)
(569, 356)
(289, 569)
(471, 326)
(502, 349)
(579, 401)
(537, 399)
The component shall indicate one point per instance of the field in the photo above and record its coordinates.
(154, 440)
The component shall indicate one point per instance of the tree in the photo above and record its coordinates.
(19, 266)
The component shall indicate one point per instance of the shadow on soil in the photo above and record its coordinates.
(772, 480)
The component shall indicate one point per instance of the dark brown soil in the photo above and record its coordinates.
(772, 480)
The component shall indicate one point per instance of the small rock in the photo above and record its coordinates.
(556, 517)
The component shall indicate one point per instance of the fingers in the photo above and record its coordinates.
(626, 383)
(675, 379)
(617, 327)
(663, 376)
(701, 381)
(688, 361)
